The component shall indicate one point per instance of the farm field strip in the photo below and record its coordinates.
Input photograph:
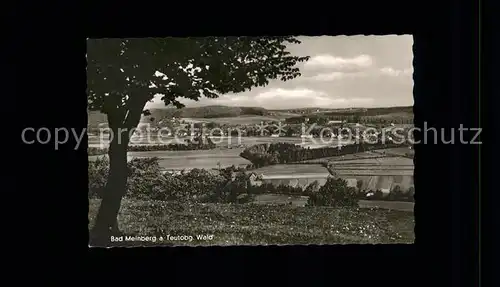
(291, 168)
(369, 164)
(351, 157)
(375, 172)
(382, 161)
(184, 153)
(292, 176)
(183, 162)
(373, 168)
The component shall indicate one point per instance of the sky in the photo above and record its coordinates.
(343, 72)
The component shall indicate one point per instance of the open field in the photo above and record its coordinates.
(363, 164)
(220, 141)
(255, 224)
(187, 153)
(392, 205)
(294, 200)
(240, 120)
(349, 157)
(394, 115)
(178, 160)
(301, 201)
(377, 173)
(292, 169)
(394, 172)
(369, 173)
(381, 161)
(396, 151)
(223, 141)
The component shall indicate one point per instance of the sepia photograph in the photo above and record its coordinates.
(218, 141)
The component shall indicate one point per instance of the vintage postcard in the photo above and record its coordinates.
(250, 141)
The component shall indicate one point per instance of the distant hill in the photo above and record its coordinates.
(225, 112)
(366, 115)
(207, 112)
(349, 111)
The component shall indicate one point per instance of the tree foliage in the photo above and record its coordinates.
(126, 73)
(336, 193)
(280, 153)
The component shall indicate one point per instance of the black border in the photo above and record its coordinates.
(490, 138)
(445, 94)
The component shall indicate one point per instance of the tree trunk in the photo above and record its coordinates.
(106, 221)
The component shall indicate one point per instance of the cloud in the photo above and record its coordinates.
(303, 97)
(337, 76)
(329, 61)
(333, 76)
(395, 72)
(277, 98)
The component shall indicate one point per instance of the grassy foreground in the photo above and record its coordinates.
(252, 224)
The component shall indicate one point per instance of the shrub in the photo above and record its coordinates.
(279, 189)
(254, 190)
(395, 194)
(311, 188)
(268, 188)
(228, 172)
(98, 175)
(201, 185)
(96, 151)
(147, 182)
(378, 195)
(276, 153)
(411, 194)
(288, 189)
(336, 193)
(235, 187)
(144, 179)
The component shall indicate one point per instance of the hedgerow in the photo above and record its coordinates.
(336, 193)
(146, 181)
(281, 153)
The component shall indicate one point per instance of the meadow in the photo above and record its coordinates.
(376, 161)
(178, 160)
(256, 224)
(300, 201)
(240, 120)
(222, 141)
(291, 169)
